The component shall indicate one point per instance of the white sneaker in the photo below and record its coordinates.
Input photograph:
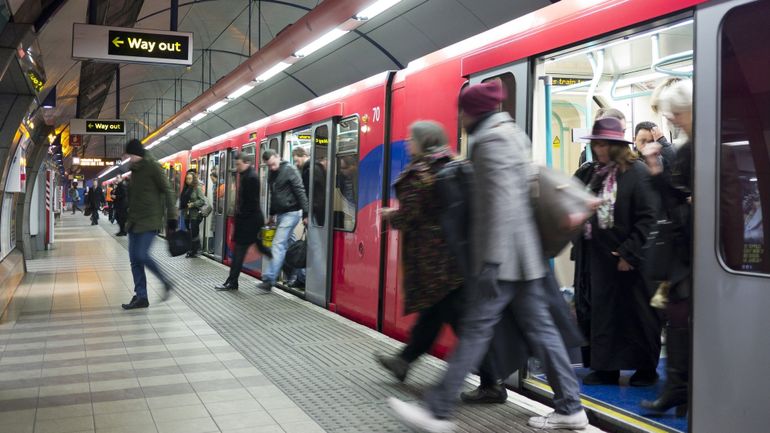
(418, 417)
(576, 421)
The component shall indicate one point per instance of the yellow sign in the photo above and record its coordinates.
(556, 142)
(37, 82)
(567, 81)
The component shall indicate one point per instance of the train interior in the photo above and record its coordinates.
(618, 72)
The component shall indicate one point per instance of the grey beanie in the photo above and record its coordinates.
(428, 135)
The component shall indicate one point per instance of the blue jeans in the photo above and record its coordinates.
(139, 253)
(286, 222)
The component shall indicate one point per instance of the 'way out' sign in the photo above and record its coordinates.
(127, 45)
(97, 127)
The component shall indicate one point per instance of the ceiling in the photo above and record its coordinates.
(151, 94)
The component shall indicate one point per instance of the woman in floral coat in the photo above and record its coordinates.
(431, 279)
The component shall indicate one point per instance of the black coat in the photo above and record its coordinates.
(95, 197)
(120, 200)
(248, 217)
(613, 307)
(286, 191)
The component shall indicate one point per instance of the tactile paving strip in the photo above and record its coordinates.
(324, 365)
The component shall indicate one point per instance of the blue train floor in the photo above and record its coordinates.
(628, 397)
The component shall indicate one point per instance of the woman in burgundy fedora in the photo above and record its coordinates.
(612, 297)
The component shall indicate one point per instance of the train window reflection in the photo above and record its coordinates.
(346, 176)
(315, 180)
(745, 140)
(231, 184)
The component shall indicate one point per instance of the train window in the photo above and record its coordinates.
(298, 138)
(745, 140)
(221, 176)
(462, 134)
(232, 176)
(320, 167)
(509, 81)
(346, 176)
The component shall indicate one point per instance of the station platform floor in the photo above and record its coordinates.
(204, 361)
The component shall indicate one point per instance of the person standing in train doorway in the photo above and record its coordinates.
(149, 195)
(508, 270)
(288, 205)
(248, 220)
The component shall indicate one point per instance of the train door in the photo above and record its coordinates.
(231, 187)
(217, 163)
(319, 229)
(617, 72)
(731, 203)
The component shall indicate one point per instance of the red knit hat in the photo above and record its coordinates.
(482, 98)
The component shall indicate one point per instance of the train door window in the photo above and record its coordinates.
(509, 82)
(744, 197)
(346, 176)
(274, 144)
(232, 177)
(462, 134)
(320, 169)
(221, 176)
(297, 139)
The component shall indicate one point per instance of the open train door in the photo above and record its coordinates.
(319, 228)
(731, 251)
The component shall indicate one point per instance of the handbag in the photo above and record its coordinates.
(296, 255)
(556, 199)
(179, 242)
(206, 209)
(87, 211)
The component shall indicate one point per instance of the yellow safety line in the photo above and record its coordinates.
(604, 409)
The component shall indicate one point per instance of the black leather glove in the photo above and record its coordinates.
(171, 225)
(487, 286)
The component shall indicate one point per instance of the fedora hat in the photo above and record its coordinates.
(607, 128)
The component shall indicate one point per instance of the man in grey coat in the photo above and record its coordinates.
(510, 270)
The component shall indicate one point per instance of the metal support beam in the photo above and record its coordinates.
(117, 91)
(174, 15)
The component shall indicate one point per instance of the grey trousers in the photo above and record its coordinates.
(528, 301)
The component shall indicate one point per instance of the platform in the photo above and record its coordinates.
(205, 361)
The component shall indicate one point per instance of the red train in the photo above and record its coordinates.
(594, 54)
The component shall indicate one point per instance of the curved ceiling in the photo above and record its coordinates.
(226, 32)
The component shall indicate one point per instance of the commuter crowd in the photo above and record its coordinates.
(473, 255)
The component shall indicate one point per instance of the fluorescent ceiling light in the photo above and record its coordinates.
(321, 42)
(377, 8)
(199, 116)
(240, 92)
(218, 105)
(272, 72)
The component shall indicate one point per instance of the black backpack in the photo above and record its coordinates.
(454, 184)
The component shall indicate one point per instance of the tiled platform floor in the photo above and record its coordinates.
(73, 361)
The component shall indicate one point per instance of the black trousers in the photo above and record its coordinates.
(194, 227)
(239, 254)
(429, 322)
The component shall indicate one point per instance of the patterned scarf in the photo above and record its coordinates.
(604, 184)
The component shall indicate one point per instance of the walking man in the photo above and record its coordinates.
(120, 202)
(248, 219)
(149, 195)
(509, 270)
(94, 200)
(74, 197)
(288, 204)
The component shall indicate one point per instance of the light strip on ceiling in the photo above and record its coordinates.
(375, 9)
(199, 116)
(272, 72)
(218, 105)
(321, 42)
(241, 91)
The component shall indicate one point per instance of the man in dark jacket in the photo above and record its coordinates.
(288, 204)
(94, 199)
(151, 201)
(120, 202)
(248, 219)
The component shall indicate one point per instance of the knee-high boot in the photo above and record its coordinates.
(677, 373)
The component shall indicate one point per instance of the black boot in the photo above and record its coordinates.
(394, 364)
(677, 374)
(228, 285)
(486, 394)
(136, 303)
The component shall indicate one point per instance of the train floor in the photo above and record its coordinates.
(203, 361)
